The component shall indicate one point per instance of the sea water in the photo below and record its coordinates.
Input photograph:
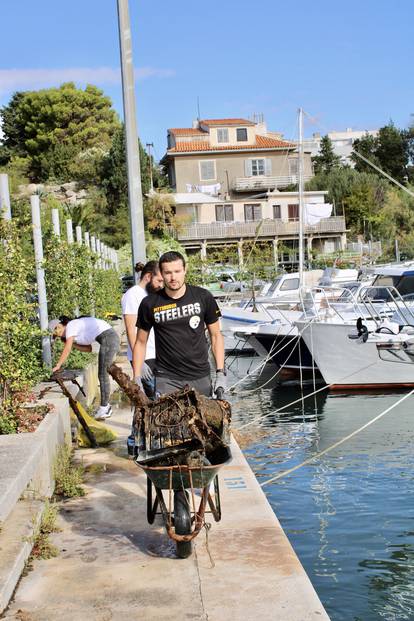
(350, 513)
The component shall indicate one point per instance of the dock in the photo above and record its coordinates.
(113, 565)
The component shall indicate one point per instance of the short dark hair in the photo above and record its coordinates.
(151, 267)
(169, 257)
(64, 320)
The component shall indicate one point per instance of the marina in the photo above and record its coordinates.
(207, 328)
(348, 513)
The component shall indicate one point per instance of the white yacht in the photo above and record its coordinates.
(269, 306)
(346, 362)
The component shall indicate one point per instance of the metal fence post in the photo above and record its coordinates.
(56, 222)
(69, 231)
(40, 276)
(5, 209)
(98, 252)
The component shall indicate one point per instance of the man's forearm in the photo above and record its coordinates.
(131, 330)
(217, 347)
(138, 357)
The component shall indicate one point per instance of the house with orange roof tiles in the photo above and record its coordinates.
(228, 175)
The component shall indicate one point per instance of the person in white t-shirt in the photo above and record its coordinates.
(150, 281)
(80, 333)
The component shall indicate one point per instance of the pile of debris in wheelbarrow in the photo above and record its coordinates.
(182, 439)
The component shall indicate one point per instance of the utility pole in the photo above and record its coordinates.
(301, 195)
(397, 251)
(136, 212)
(149, 145)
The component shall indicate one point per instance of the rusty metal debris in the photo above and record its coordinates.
(182, 427)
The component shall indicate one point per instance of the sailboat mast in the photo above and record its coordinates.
(301, 195)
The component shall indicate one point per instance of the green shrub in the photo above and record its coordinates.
(8, 423)
(20, 336)
(68, 273)
(107, 292)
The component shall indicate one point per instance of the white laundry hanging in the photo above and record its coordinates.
(314, 212)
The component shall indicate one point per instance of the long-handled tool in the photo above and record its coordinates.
(89, 433)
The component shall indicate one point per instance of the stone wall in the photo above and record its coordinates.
(67, 193)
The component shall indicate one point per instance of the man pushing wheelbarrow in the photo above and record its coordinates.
(182, 438)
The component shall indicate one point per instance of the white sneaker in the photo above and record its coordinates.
(104, 411)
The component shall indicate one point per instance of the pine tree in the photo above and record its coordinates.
(327, 160)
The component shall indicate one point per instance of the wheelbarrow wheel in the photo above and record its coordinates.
(182, 522)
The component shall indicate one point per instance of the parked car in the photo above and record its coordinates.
(231, 283)
(127, 282)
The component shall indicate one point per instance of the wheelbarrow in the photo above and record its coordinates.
(182, 461)
(182, 512)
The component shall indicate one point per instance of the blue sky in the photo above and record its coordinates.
(348, 64)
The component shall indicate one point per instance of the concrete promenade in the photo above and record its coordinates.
(113, 565)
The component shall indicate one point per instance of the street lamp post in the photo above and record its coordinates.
(133, 164)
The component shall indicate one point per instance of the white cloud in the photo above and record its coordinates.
(27, 79)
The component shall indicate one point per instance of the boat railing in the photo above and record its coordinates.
(317, 301)
(391, 303)
(369, 302)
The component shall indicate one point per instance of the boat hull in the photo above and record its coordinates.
(350, 364)
(287, 352)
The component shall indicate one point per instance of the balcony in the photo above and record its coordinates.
(268, 228)
(247, 184)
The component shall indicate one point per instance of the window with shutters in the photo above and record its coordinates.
(222, 134)
(224, 213)
(258, 167)
(252, 212)
(276, 212)
(207, 170)
(241, 134)
(293, 212)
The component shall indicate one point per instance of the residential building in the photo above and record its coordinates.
(342, 143)
(229, 177)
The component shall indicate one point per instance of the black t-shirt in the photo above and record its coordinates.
(179, 328)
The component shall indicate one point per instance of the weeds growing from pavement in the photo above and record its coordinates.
(68, 477)
(42, 548)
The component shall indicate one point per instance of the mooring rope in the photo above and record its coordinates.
(266, 360)
(336, 444)
(311, 394)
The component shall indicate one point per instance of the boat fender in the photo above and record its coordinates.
(389, 327)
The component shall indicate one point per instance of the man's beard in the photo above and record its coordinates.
(176, 287)
(149, 287)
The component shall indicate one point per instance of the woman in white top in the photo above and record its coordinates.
(80, 333)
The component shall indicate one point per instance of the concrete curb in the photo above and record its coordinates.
(16, 542)
(26, 467)
(26, 475)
